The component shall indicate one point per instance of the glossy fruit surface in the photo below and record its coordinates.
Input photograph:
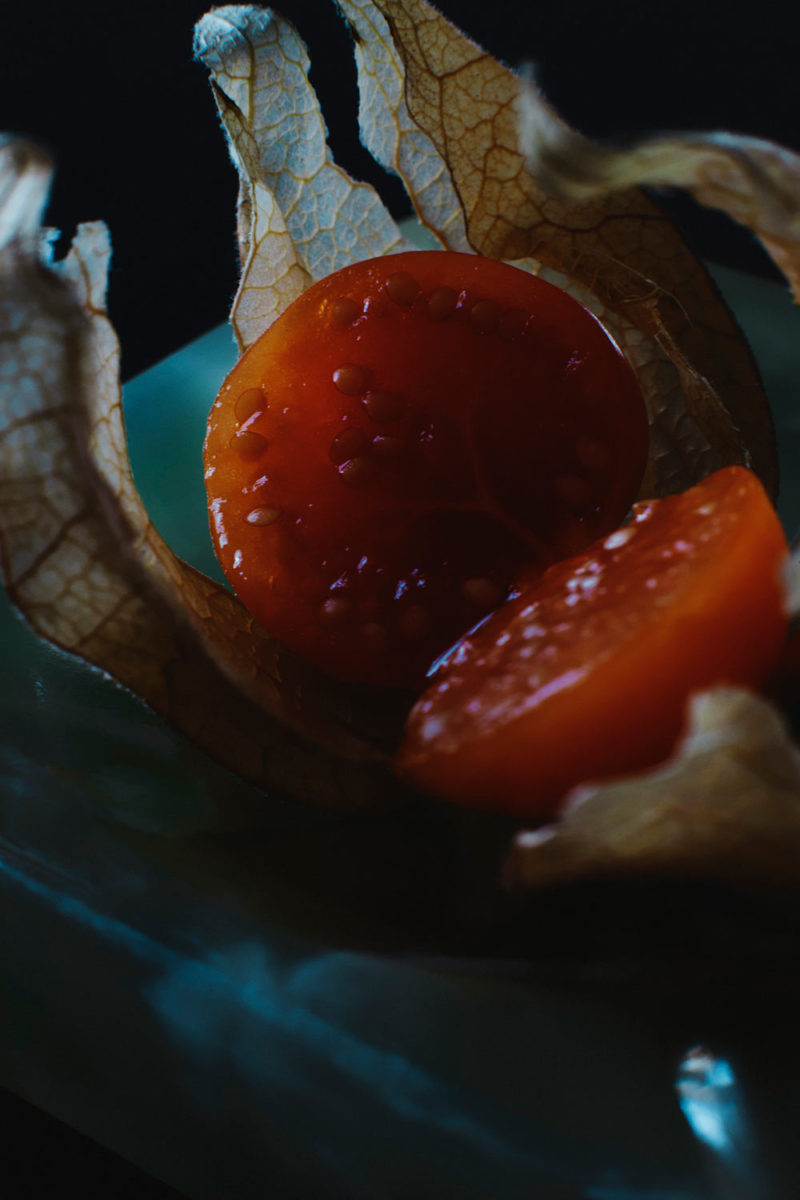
(585, 675)
(410, 431)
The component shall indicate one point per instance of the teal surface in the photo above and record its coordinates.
(230, 1012)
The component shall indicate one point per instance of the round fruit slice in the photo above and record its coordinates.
(586, 673)
(410, 431)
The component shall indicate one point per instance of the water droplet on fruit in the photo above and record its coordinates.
(402, 288)
(344, 312)
(620, 537)
(384, 406)
(484, 316)
(348, 443)
(442, 303)
(431, 729)
(351, 379)
(482, 592)
(573, 491)
(335, 610)
(248, 444)
(262, 516)
(251, 401)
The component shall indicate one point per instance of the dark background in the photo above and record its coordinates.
(112, 90)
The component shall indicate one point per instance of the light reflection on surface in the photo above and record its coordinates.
(376, 1074)
(707, 1091)
(246, 1047)
(713, 1101)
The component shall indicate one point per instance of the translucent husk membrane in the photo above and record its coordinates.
(489, 167)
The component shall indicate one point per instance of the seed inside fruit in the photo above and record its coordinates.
(511, 323)
(402, 288)
(414, 623)
(351, 379)
(388, 447)
(335, 610)
(348, 443)
(251, 401)
(442, 303)
(248, 444)
(483, 593)
(344, 312)
(262, 516)
(484, 316)
(384, 406)
(374, 636)
(357, 471)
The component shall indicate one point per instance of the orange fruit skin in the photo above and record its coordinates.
(400, 440)
(573, 682)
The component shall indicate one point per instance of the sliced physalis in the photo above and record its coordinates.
(410, 431)
(79, 557)
(586, 674)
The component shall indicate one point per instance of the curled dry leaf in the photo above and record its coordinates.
(390, 134)
(755, 182)
(726, 808)
(793, 584)
(81, 560)
(704, 396)
(301, 216)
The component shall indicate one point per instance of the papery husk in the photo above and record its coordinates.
(753, 181)
(724, 809)
(85, 567)
(708, 410)
(268, 109)
(300, 216)
(83, 564)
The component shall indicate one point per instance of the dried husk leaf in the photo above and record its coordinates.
(793, 584)
(300, 216)
(725, 808)
(755, 182)
(387, 130)
(82, 562)
(618, 245)
(399, 145)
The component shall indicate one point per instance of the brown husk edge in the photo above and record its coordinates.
(85, 567)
